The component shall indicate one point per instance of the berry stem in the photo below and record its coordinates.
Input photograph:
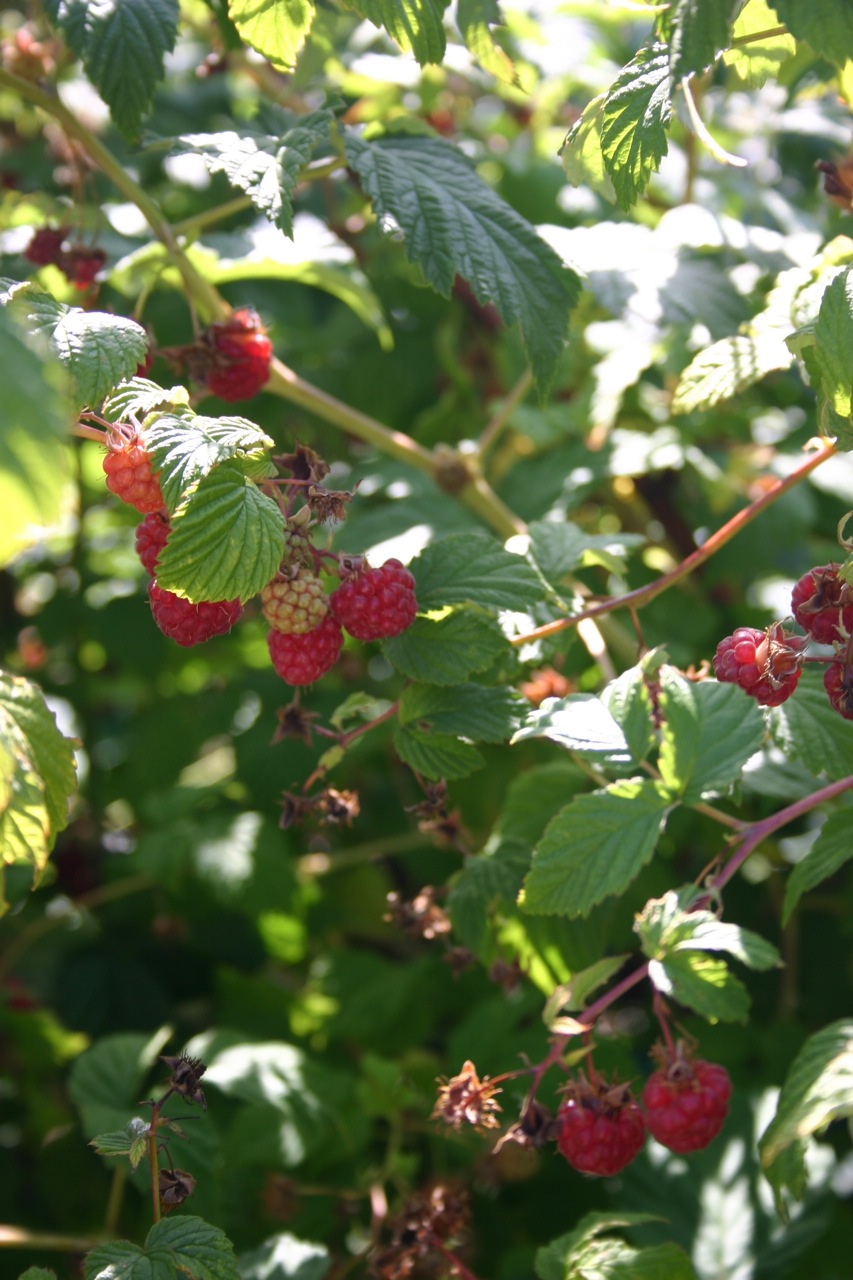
(89, 433)
(643, 595)
(663, 1021)
(459, 1267)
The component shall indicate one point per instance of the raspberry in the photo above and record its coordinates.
(303, 659)
(151, 538)
(838, 682)
(128, 471)
(686, 1103)
(295, 605)
(822, 603)
(600, 1128)
(46, 246)
(374, 603)
(241, 356)
(81, 265)
(766, 664)
(188, 623)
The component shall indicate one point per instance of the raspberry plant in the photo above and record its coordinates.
(476, 688)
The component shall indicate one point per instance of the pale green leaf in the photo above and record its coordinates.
(454, 224)
(710, 730)
(808, 729)
(757, 61)
(22, 705)
(276, 28)
(833, 338)
(583, 161)
(447, 652)
(471, 568)
(703, 984)
(581, 723)
(827, 25)
(416, 25)
(817, 1090)
(284, 1257)
(98, 350)
(475, 18)
(436, 755)
(594, 848)
(226, 541)
(628, 701)
(729, 367)
(672, 923)
(105, 1082)
(633, 127)
(185, 449)
(832, 849)
(140, 397)
(472, 711)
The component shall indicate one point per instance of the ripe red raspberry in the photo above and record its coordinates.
(241, 356)
(46, 246)
(686, 1103)
(303, 659)
(188, 623)
(151, 538)
(128, 471)
(374, 603)
(766, 664)
(822, 603)
(295, 604)
(81, 265)
(600, 1128)
(838, 682)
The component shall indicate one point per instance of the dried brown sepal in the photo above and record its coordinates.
(338, 808)
(419, 918)
(459, 959)
(328, 504)
(466, 1099)
(184, 1080)
(303, 463)
(535, 1127)
(294, 721)
(293, 809)
(175, 1186)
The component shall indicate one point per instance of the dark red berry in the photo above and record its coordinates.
(766, 664)
(686, 1103)
(600, 1128)
(128, 470)
(822, 603)
(302, 659)
(82, 265)
(190, 624)
(838, 682)
(151, 538)
(46, 246)
(372, 604)
(241, 353)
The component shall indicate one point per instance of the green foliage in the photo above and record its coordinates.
(633, 122)
(416, 25)
(275, 28)
(172, 1248)
(816, 1091)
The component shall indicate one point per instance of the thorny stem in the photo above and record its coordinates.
(643, 595)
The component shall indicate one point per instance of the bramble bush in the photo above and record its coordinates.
(426, 763)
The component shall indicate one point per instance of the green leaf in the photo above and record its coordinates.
(276, 28)
(787, 1172)
(671, 923)
(416, 25)
(581, 1254)
(37, 1273)
(832, 849)
(808, 729)
(628, 701)
(284, 1257)
(817, 1090)
(633, 127)
(485, 879)
(833, 350)
(583, 160)
(105, 1082)
(34, 459)
(436, 755)
(727, 368)
(25, 713)
(186, 449)
(709, 733)
(471, 568)
(446, 652)
(174, 1248)
(557, 549)
(758, 60)
(594, 847)
(267, 168)
(470, 710)
(122, 47)
(140, 397)
(700, 29)
(122, 1141)
(827, 25)
(475, 18)
(581, 723)
(226, 541)
(454, 224)
(703, 984)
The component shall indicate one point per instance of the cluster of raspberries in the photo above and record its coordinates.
(80, 263)
(767, 664)
(601, 1128)
(306, 624)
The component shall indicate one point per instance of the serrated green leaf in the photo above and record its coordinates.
(574, 994)
(712, 934)
(139, 396)
(628, 702)
(832, 849)
(416, 25)
(833, 349)
(583, 160)
(581, 723)
(727, 368)
(454, 224)
(708, 735)
(120, 1141)
(484, 880)
(574, 1257)
(122, 47)
(276, 28)
(700, 29)
(557, 549)
(594, 848)
(633, 127)
(757, 60)
(705, 985)
(827, 25)
(671, 923)
(475, 18)
(447, 652)
(808, 729)
(471, 710)
(34, 459)
(787, 1172)
(183, 1245)
(436, 755)
(22, 704)
(817, 1090)
(105, 1081)
(267, 168)
(226, 540)
(284, 1257)
(473, 569)
(185, 449)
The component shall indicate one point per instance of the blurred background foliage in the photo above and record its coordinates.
(176, 910)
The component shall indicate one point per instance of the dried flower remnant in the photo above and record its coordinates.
(466, 1099)
(421, 917)
(426, 1223)
(186, 1073)
(338, 808)
(176, 1186)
